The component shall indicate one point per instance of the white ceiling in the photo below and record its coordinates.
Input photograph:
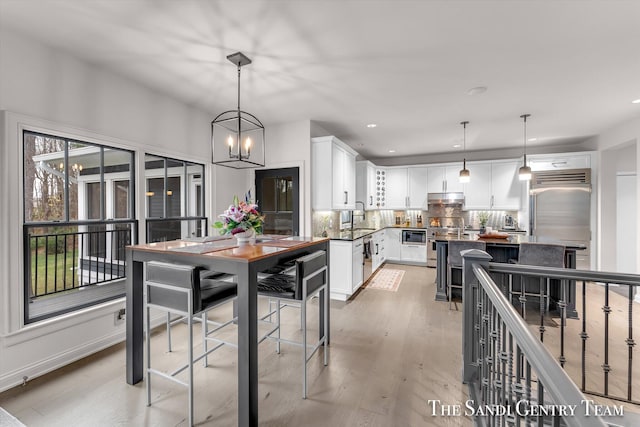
(405, 65)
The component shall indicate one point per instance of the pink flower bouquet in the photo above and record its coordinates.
(240, 217)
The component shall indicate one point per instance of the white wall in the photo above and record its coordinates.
(47, 89)
(619, 151)
(289, 145)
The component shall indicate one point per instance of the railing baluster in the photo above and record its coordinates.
(73, 262)
(630, 344)
(55, 263)
(527, 389)
(605, 367)
(563, 319)
(64, 274)
(523, 297)
(35, 268)
(540, 402)
(584, 336)
(541, 328)
(46, 264)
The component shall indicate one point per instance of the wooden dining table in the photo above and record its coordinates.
(225, 256)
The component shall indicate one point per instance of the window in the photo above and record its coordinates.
(174, 199)
(77, 221)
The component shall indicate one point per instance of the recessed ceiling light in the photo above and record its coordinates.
(456, 145)
(636, 101)
(372, 125)
(392, 151)
(477, 90)
(532, 139)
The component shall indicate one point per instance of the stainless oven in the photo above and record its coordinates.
(414, 237)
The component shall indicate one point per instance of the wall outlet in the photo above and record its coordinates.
(119, 317)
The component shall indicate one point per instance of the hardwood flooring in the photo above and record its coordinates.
(391, 352)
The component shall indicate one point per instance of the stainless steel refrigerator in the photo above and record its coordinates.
(560, 209)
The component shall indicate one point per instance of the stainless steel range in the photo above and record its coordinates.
(435, 232)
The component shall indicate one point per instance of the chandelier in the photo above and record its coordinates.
(237, 137)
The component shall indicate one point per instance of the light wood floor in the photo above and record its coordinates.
(390, 353)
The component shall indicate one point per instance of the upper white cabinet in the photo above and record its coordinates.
(366, 185)
(505, 186)
(546, 162)
(493, 185)
(444, 179)
(396, 188)
(478, 191)
(417, 188)
(333, 174)
(401, 188)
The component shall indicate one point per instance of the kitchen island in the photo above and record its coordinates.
(503, 250)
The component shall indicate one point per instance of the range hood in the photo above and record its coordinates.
(445, 198)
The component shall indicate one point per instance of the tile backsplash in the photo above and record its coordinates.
(329, 221)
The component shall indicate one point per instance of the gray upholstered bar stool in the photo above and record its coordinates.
(179, 290)
(542, 255)
(307, 279)
(454, 260)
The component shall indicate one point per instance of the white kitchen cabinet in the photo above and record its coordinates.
(381, 188)
(493, 186)
(546, 162)
(444, 179)
(396, 188)
(393, 242)
(477, 192)
(333, 174)
(366, 184)
(505, 186)
(377, 250)
(414, 254)
(346, 268)
(417, 188)
(405, 188)
(357, 259)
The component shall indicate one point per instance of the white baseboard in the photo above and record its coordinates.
(51, 363)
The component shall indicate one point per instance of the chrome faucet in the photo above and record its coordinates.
(363, 215)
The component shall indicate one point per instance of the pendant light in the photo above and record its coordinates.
(237, 137)
(465, 176)
(525, 171)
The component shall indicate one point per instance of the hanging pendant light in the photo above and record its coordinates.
(237, 137)
(465, 176)
(525, 171)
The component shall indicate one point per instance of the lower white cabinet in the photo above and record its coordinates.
(393, 243)
(414, 254)
(358, 265)
(346, 270)
(377, 250)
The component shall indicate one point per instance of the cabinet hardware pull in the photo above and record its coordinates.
(370, 200)
(376, 249)
(346, 197)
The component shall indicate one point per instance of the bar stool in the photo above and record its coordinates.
(309, 277)
(542, 255)
(454, 260)
(178, 289)
(208, 279)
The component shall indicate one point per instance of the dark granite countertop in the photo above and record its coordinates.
(359, 233)
(516, 239)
